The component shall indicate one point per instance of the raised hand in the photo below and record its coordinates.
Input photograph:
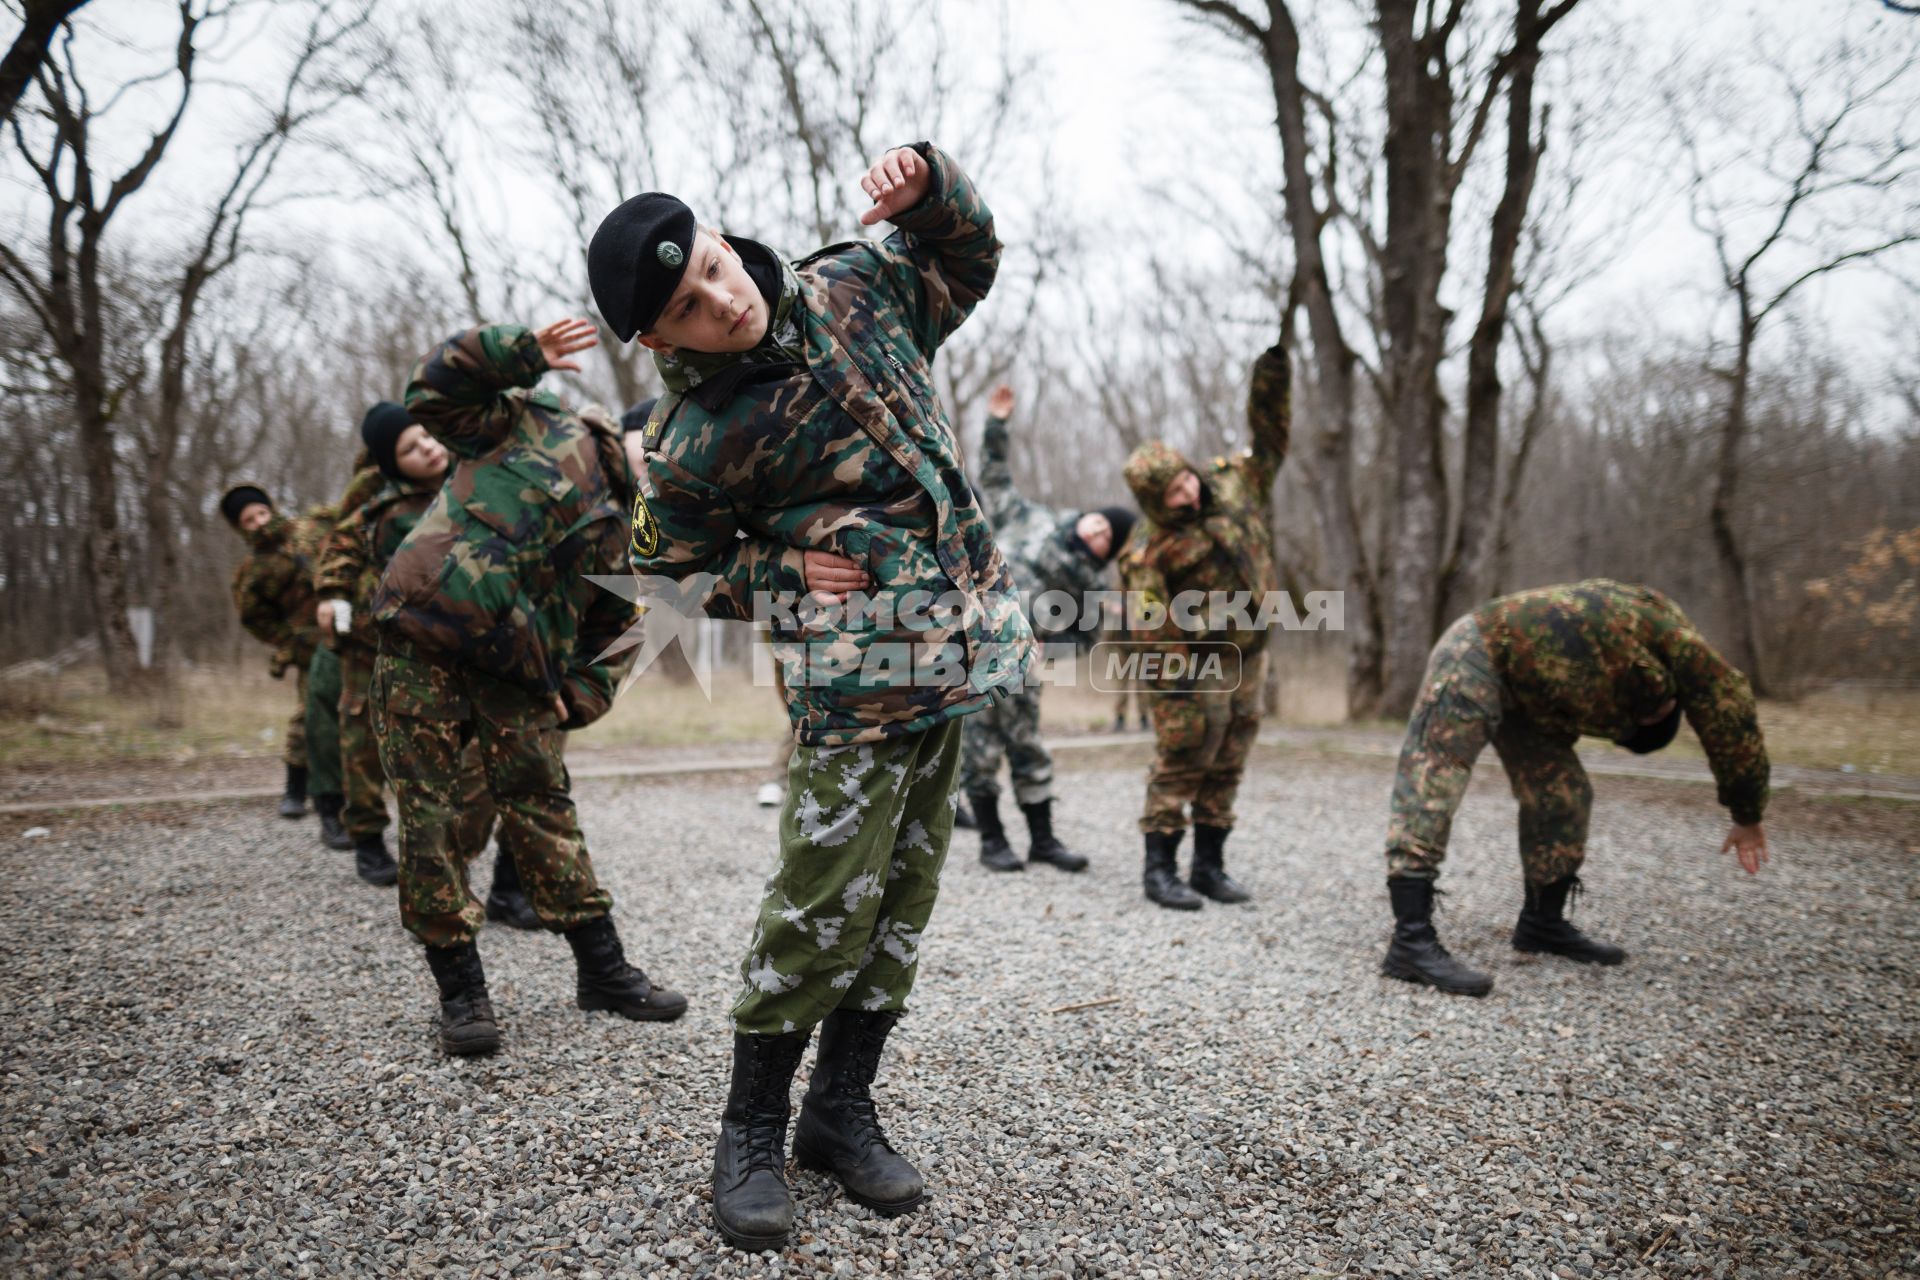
(564, 337)
(1000, 402)
(1749, 844)
(897, 182)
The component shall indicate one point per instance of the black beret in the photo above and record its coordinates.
(239, 498)
(380, 431)
(636, 258)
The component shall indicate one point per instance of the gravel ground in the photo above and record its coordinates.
(219, 1058)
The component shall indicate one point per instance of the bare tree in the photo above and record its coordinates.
(39, 20)
(1442, 79)
(59, 280)
(1836, 185)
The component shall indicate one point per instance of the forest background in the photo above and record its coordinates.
(1573, 287)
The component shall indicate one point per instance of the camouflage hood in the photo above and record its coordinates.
(1150, 469)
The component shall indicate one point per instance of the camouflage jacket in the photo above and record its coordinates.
(494, 576)
(1037, 541)
(273, 588)
(1227, 544)
(1597, 657)
(361, 544)
(830, 435)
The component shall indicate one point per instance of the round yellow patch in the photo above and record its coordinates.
(646, 530)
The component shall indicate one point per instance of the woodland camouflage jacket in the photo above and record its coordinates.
(273, 587)
(1227, 544)
(378, 518)
(494, 577)
(1598, 657)
(1037, 541)
(830, 435)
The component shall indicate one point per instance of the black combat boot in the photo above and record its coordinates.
(1045, 846)
(838, 1131)
(1161, 879)
(332, 833)
(751, 1202)
(372, 862)
(1209, 875)
(293, 801)
(1415, 954)
(1544, 926)
(996, 853)
(507, 902)
(466, 1014)
(607, 981)
(963, 816)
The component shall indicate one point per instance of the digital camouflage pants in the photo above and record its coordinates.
(1201, 738)
(863, 836)
(1010, 730)
(323, 724)
(362, 777)
(1458, 713)
(426, 715)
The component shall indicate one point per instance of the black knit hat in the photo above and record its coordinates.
(380, 431)
(636, 258)
(239, 498)
(1648, 738)
(1121, 518)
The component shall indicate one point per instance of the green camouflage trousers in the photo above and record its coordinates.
(426, 715)
(1458, 713)
(323, 723)
(1201, 741)
(361, 775)
(862, 839)
(1009, 729)
(295, 753)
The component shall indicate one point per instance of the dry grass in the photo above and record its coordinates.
(208, 712)
(215, 712)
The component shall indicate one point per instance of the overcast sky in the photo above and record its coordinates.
(1141, 99)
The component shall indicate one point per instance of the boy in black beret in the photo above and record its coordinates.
(801, 449)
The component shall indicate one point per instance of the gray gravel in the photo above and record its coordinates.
(218, 1057)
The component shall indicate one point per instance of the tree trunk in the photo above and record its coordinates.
(106, 552)
(1332, 382)
(1482, 510)
(1726, 543)
(1418, 201)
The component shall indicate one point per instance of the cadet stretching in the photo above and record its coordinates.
(1530, 673)
(801, 447)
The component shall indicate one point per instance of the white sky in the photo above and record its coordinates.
(1141, 98)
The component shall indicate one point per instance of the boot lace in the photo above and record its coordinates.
(766, 1116)
(852, 1091)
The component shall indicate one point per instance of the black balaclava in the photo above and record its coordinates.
(1648, 738)
(239, 498)
(380, 431)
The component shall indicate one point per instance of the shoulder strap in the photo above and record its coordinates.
(663, 410)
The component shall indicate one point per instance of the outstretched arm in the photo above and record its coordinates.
(945, 255)
(461, 391)
(996, 472)
(1269, 416)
